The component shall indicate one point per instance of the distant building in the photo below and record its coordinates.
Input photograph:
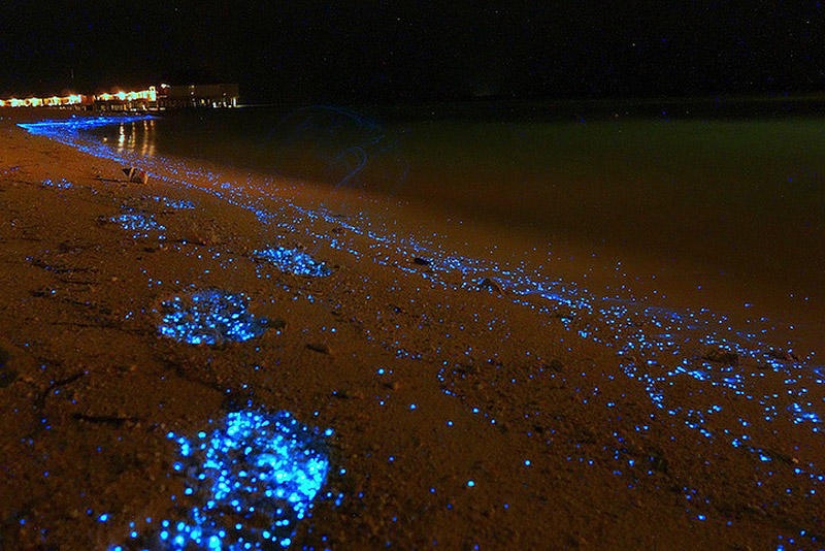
(143, 100)
(152, 99)
(198, 95)
(74, 101)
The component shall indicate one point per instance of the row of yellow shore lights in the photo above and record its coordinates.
(76, 99)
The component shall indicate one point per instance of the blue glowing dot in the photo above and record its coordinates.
(471, 483)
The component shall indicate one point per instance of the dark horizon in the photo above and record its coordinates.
(320, 51)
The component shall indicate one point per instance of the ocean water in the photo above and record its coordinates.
(719, 205)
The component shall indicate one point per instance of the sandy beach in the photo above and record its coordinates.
(443, 403)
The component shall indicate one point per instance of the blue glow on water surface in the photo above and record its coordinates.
(248, 480)
(210, 317)
(53, 128)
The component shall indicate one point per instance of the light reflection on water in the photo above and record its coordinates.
(136, 136)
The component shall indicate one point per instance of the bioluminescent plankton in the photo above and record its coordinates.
(293, 261)
(210, 317)
(249, 479)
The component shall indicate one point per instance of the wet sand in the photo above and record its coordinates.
(463, 412)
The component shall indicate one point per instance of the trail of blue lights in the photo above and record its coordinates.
(619, 323)
(141, 225)
(293, 261)
(657, 347)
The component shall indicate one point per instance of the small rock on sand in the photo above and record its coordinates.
(491, 285)
(719, 355)
(319, 347)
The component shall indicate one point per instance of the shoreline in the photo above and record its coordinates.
(462, 412)
(721, 250)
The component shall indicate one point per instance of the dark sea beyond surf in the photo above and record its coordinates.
(698, 191)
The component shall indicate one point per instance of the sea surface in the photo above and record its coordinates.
(718, 203)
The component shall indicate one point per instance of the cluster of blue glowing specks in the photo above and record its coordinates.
(293, 261)
(175, 204)
(248, 482)
(141, 225)
(62, 184)
(210, 317)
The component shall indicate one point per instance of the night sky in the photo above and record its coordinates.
(401, 50)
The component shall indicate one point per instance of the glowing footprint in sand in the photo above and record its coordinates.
(248, 483)
(209, 317)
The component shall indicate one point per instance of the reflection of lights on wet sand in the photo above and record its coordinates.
(247, 483)
(293, 261)
(209, 317)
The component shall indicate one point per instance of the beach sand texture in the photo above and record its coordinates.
(461, 413)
